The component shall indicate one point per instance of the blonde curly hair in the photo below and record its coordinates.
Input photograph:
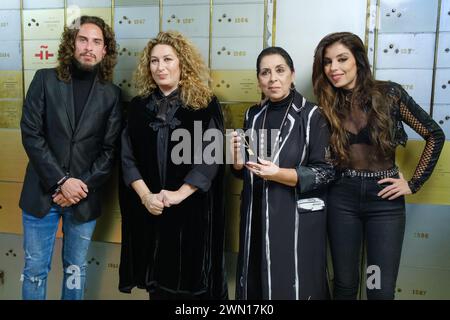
(66, 50)
(194, 74)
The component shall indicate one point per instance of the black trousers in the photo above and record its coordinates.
(357, 213)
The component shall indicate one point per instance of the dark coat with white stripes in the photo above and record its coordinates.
(293, 255)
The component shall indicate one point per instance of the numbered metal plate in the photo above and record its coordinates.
(124, 79)
(422, 283)
(136, 22)
(43, 24)
(10, 55)
(235, 53)
(442, 86)
(417, 83)
(445, 16)
(10, 28)
(441, 114)
(408, 16)
(191, 20)
(427, 236)
(243, 20)
(443, 60)
(129, 52)
(396, 51)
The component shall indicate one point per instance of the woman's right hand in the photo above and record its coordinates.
(235, 149)
(153, 203)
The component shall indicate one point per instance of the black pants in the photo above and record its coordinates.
(356, 213)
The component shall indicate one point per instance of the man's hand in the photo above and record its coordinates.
(60, 200)
(74, 190)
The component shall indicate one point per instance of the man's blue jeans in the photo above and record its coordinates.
(39, 238)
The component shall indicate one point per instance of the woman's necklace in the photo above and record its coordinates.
(262, 136)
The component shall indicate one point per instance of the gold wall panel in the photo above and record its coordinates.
(239, 86)
(436, 189)
(11, 85)
(233, 188)
(28, 76)
(10, 113)
(234, 118)
(10, 213)
(234, 114)
(13, 157)
(108, 228)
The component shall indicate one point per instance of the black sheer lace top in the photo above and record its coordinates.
(364, 154)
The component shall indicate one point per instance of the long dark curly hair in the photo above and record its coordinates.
(368, 93)
(67, 49)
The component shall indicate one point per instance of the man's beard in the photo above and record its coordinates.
(86, 67)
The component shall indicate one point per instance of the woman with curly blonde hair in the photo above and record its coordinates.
(194, 74)
(172, 211)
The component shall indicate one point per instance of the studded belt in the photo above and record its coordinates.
(352, 173)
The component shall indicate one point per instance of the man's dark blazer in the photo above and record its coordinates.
(54, 144)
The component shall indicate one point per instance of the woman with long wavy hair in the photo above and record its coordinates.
(366, 201)
(172, 210)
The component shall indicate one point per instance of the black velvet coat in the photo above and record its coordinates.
(181, 250)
